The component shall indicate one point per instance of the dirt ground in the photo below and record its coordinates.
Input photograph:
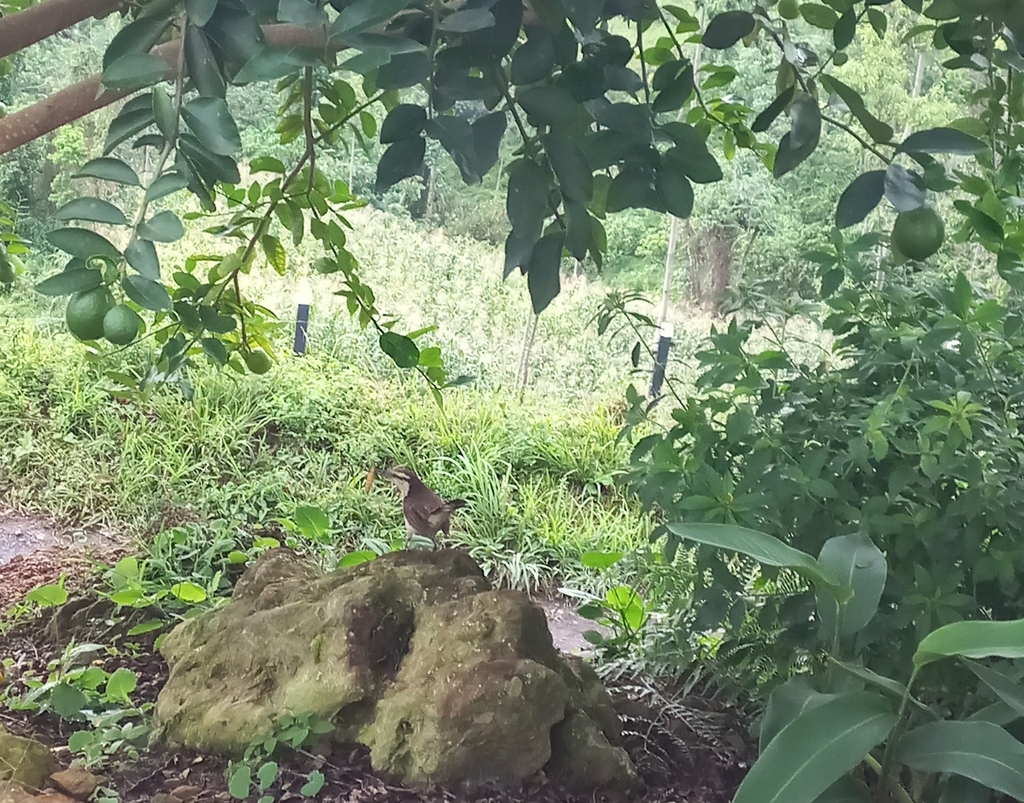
(686, 748)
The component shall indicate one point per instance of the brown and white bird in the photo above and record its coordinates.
(426, 513)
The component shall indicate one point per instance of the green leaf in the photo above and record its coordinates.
(675, 95)
(785, 704)
(571, 168)
(401, 160)
(904, 188)
(980, 751)
(941, 140)
(816, 749)
(877, 130)
(976, 639)
(135, 71)
(963, 294)
(83, 243)
(405, 70)
(275, 253)
(66, 701)
(543, 271)
(146, 627)
(109, 169)
(137, 38)
(121, 684)
(727, 28)
(135, 116)
(202, 65)
(213, 125)
(200, 11)
(48, 596)
(92, 209)
(301, 12)
(356, 559)
(188, 592)
(363, 14)
(633, 188)
(673, 189)
(762, 548)
(315, 779)
(405, 121)
(267, 773)
(551, 106)
(819, 16)
(164, 114)
(311, 521)
(691, 154)
(80, 740)
(401, 349)
(878, 21)
(805, 127)
(845, 29)
(466, 21)
(533, 61)
(141, 255)
(167, 184)
(860, 565)
(526, 201)
(146, 293)
(241, 780)
(164, 227)
(789, 156)
(860, 198)
(488, 132)
(1005, 687)
(771, 113)
(846, 790)
(601, 560)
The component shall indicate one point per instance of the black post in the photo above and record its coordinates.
(301, 328)
(661, 360)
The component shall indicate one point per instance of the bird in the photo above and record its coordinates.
(426, 513)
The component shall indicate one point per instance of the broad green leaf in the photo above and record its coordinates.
(200, 11)
(236, 33)
(904, 188)
(860, 198)
(67, 701)
(533, 60)
(1005, 687)
(691, 154)
(551, 106)
(941, 140)
(83, 243)
(771, 113)
(121, 684)
(164, 227)
(816, 749)
(527, 199)
(188, 592)
(894, 687)
(488, 132)
(356, 559)
(844, 30)
(819, 16)
(141, 255)
(275, 253)
(364, 14)
(673, 189)
(405, 121)
(213, 125)
(164, 114)
(633, 188)
(267, 773)
(167, 184)
(109, 169)
(466, 21)
(240, 782)
(405, 70)
(963, 293)
(48, 596)
(543, 271)
(146, 293)
(401, 349)
(860, 565)
(980, 751)
(675, 95)
(785, 704)
(136, 37)
(147, 627)
(135, 116)
(202, 65)
(80, 740)
(805, 116)
(763, 548)
(135, 71)
(518, 248)
(727, 28)
(571, 168)
(877, 130)
(846, 790)
(579, 233)
(401, 160)
(601, 560)
(314, 781)
(92, 209)
(456, 136)
(789, 156)
(301, 12)
(977, 639)
(312, 521)
(878, 21)
(271, 63)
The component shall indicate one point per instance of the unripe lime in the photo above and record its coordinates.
(85, 313)
(121, 325)
(918, 234)
(258, 361)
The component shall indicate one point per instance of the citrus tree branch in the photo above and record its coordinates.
(43, 20)
(78, 100)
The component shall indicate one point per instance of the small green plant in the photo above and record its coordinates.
(258, 770)
(842, 731)
(620, 610)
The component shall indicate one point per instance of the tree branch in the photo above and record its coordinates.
(76, 101)
(45, 19)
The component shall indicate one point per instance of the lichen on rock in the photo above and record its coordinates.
(412, 655)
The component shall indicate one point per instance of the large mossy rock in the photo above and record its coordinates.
(413, 655)
(24, 764)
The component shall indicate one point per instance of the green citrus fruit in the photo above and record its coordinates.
(121, 325)
(918, 234)
(789, 9)
(85, 313)
(258, 361)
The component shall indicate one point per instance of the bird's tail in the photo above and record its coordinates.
(455, 504)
